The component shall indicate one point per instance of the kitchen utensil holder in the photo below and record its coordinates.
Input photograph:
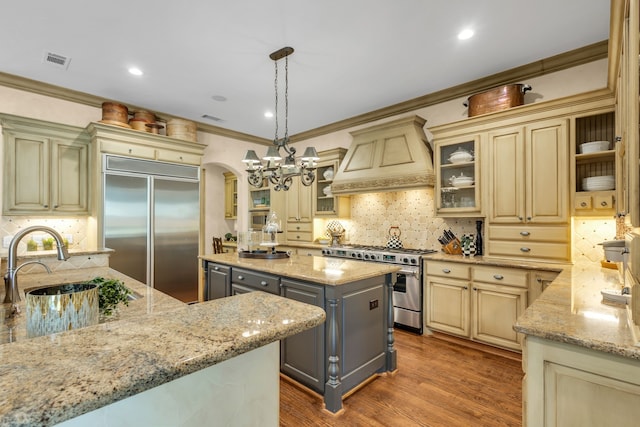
(453, 247)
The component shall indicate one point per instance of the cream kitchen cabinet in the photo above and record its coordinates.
(230, 195)
(538, 282)
(325, 204)
(455, 160)
(131, 143)
(46, 168)
(568, 385)
(299, 226)
(477, 302)
(529, 173)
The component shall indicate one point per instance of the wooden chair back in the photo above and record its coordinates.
(217, 245)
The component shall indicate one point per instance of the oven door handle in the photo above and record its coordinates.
(408, 272)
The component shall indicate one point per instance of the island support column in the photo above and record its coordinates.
(333, 386)
(391, 356)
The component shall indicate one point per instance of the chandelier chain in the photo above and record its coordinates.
(286, 98)
(276, 109)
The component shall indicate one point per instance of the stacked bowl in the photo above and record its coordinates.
(599, 183)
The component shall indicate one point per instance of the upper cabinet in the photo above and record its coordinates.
(230, 196)
(528, 170)
(457, 167)
(325, 203)
(593, 154)
(625, 38)
(46, 168)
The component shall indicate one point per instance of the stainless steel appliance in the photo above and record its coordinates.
(151, 219)
(258, 219)
(407, 291)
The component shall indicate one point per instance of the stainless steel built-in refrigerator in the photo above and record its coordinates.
(151, 219)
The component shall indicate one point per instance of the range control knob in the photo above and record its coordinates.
(366, 256)
(414, 261)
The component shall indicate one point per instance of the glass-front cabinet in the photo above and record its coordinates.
(260, 198)
(457, 189)
(325, 204)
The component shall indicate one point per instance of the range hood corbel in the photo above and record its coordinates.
(390, 156)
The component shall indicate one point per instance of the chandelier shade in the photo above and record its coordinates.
(280, 170)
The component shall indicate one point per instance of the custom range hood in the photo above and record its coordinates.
(387, 157)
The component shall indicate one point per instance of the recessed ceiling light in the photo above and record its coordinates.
(219, 98)
(135, 71)
(465, 34)
(268, 114)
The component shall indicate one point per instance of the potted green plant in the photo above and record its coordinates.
(32, 245)
(111, 292)
(47, 243)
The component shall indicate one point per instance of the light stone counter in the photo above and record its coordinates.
(323, 270)
(154, 341)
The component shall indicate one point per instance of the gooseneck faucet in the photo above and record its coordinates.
(10, 278)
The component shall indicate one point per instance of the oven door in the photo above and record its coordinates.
(407, 291)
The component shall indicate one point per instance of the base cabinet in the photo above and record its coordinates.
(301, 355)
(481, 302)
(568, 385)
(218, 281)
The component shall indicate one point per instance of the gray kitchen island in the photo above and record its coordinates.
(354, 344)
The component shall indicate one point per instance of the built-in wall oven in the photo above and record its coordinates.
(407, 291)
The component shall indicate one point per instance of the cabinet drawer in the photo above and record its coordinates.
(295, 227)
(546, 233)
(582, 202)
(255, 280)
(299, 236)
(501, 276)
(178, 157)
(539, 250)
(127, 149)
(453, 270)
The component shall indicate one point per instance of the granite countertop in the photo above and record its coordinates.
(157, 339)
(322, 270)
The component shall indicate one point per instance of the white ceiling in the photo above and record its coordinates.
(351, 56)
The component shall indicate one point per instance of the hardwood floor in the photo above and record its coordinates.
(440, 381)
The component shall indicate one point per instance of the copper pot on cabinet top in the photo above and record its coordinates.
(497, 99)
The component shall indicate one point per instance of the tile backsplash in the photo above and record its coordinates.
(372, 215)
(76, 227)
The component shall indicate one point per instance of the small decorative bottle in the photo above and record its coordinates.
(479, 237)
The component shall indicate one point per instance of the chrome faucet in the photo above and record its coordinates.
(12, 295)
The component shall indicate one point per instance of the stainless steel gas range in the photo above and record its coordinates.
(407, 291)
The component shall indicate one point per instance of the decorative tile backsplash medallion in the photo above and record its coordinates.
(587, 233)
(372, 215)
(76, 227)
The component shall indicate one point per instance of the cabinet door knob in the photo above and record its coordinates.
(46, 206)
(520, 218)
(216, 268)
(498, 276)
(603, 203)
(528, 218)
(240, 277)
(525, 249)
(465, 287)
(446, 271)
(524, 233)
(583, 204)
(474, 288)
(55, 206)
(263, 283)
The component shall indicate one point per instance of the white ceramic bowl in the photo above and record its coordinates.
(594, 147)
(599, 183)
(461, 181)
(328, 174)
(460, 156)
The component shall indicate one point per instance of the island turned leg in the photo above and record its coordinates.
(333, 386)
(391, 362)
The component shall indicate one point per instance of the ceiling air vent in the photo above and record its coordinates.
(56, 60)
(214, 118)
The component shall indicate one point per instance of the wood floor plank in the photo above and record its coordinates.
(441, 381)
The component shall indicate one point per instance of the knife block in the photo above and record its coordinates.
(453, 247)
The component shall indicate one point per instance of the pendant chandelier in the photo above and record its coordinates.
(278, 169)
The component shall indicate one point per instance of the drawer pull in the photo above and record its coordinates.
(524, 233)
(603, 203)
(241, 277)
(525, 249)
(446, 271)
(263, 283)
(498, 276)
(583, 204)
